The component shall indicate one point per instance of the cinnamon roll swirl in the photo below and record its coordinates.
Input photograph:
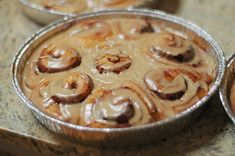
(127, 105)
(170, 48)
(33, 76)
(66, 89)
(112, 63)
(176, 87)
(42, 94)
(130, 31)
(55, 59)
(90, 33)
(72, 88)
(57, 93)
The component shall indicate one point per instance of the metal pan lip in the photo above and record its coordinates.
(138, 12)
(224, 87)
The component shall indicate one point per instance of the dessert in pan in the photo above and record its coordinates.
(117, 72)
(79, 6)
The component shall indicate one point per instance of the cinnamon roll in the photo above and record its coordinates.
(33, 76)
(41, 97)
(130, 31)
(90, 33)
(112, 63)
(55, 59)
(127, 105)
(172, 47)
(72, 88)
(176, 87)
(42, 94)
(65, 89)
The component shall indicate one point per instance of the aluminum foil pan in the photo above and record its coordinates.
(119, 137)
(226, 87)
(45, 16)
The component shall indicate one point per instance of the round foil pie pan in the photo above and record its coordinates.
(45, 16)
(226, 87)
(120, 137)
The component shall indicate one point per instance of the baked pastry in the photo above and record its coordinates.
(79, 6)
(117, 72)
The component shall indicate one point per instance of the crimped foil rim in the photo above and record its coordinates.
(140, 12)
(222, 91)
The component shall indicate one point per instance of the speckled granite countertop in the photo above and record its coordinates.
(212, 134)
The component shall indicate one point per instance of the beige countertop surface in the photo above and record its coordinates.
(212, 134)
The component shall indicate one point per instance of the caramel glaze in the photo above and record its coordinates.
(117, 73)
(79, 6)
(232, 96)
